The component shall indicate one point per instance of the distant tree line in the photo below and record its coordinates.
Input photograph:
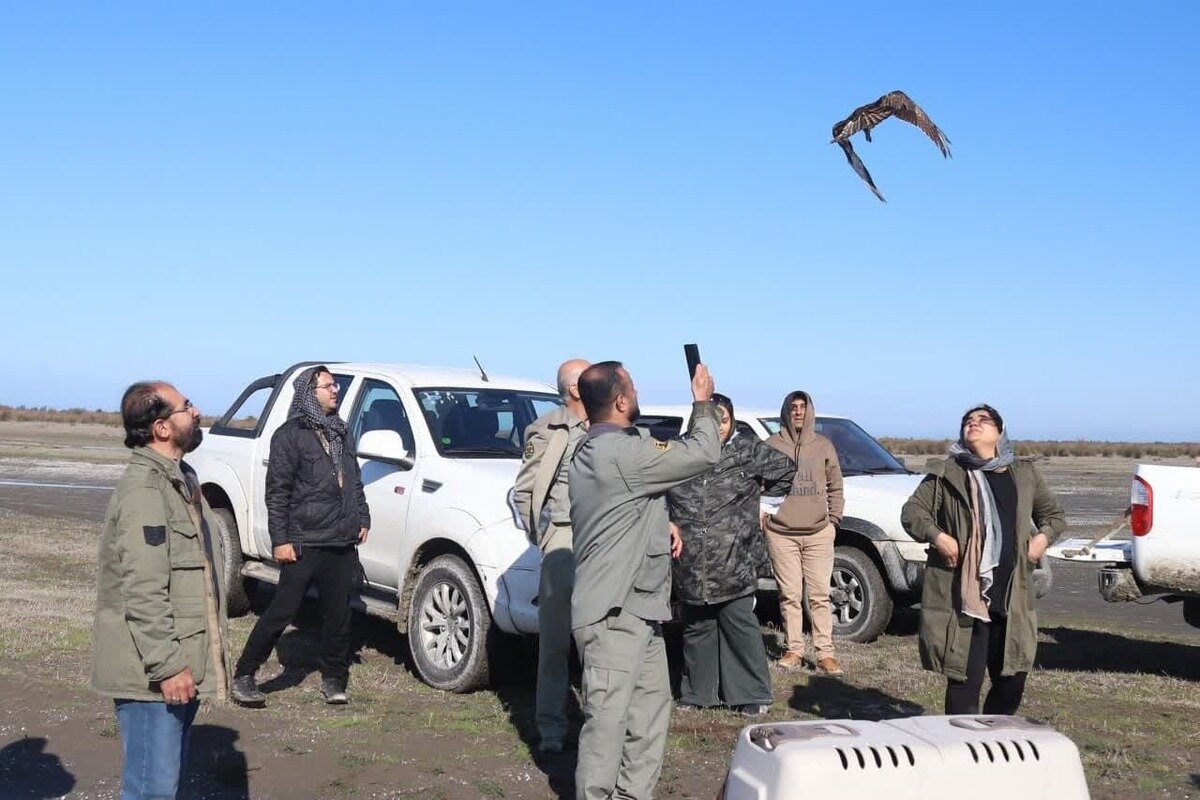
(1077, 447)
(70, 416)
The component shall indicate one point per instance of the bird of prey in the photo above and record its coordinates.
(864, 118)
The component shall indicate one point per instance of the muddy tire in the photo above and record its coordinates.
(861, 603)
(449, 626)
(237, 602)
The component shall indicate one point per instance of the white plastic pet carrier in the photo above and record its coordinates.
(919, 758)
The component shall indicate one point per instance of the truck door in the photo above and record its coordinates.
(388, 487)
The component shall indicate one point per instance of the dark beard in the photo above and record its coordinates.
(635, 414)
(193, 440)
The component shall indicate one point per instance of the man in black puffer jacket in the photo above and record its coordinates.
(716, 575)
(317, 515)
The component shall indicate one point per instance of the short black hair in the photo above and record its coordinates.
(599, 386)
(995, 415)
(724, 402)
(141, 405)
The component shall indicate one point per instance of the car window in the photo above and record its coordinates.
(247, 413)
(481, 423)
(857, 452)
(380, 409)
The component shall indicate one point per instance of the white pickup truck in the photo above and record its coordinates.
(439, 450)
(1162, 558)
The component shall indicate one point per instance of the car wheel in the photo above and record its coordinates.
(858, 595)
(448, 626)
(237, 603)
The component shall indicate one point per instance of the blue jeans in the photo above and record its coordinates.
(154, 738)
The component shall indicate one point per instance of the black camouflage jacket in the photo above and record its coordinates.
(717, 515)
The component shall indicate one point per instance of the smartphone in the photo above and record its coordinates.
(692, 353)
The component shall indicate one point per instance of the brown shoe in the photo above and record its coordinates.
(790, 662)
(830, 666)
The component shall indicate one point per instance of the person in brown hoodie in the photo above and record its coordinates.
(801, 533)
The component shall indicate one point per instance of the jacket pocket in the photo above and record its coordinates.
(654, 572)
(192, 634)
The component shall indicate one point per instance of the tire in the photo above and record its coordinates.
(449, 626)
(861, 603)
(237, 602)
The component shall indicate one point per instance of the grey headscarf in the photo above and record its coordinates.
(329, 427)
(982, 554)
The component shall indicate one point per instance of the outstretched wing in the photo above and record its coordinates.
(862, 118)
(903, 107)
(859, 167)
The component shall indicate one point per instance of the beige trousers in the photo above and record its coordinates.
(804, 565)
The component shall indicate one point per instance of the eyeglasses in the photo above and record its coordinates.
(187, 409)
(980, 420)
(333, 387)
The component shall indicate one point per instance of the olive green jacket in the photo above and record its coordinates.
(940, 505)
(151, 619)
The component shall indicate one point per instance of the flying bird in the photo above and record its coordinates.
(864, 118)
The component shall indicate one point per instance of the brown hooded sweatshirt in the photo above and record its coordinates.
(815, 499)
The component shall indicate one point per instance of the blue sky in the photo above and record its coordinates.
(209, 192)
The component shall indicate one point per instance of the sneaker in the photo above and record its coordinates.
(689, 707)
(790, 662)
(752, 709)
(244, 690)
(830, 666)
(334, 691)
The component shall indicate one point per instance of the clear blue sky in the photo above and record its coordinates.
(208, 192)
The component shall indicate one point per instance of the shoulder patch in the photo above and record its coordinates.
(664, 446)
(154, 534)
(529, 451)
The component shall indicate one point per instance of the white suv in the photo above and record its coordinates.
(439, 450)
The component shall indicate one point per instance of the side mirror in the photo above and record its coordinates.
(383, 445)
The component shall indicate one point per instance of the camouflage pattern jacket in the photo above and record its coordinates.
(717, 515)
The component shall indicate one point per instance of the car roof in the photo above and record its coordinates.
(419, 375)
(738, 412)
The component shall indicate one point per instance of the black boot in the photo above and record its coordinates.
(244, 690)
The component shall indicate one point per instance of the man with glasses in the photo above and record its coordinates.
(317, 516)
(159, 636)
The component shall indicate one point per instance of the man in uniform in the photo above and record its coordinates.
(159, 636)
(541, 497)
(623, 577)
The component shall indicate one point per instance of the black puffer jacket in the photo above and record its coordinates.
(717, 515)
(304, 502)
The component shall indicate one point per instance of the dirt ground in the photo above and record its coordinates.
(1128, 695)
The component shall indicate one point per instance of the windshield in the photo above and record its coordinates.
(481, 423)
(858, 453)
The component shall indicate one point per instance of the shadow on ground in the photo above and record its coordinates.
(832, 698)
(1086, 651)
(28, 771)
(216, 768)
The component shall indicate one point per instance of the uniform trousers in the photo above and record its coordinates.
(626, 707)
(554, 633)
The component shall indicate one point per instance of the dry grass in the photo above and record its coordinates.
(1130, 702)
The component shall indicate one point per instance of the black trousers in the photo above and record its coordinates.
(987, 653)
(723, 651)
(334, 569)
